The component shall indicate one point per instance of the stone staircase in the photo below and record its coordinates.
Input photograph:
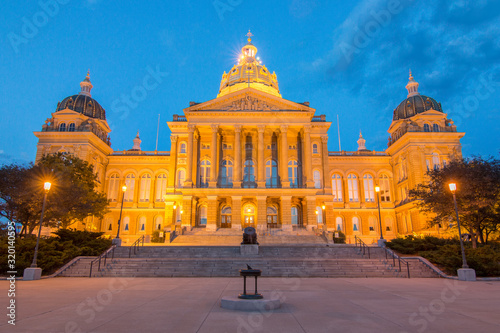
(226, 261)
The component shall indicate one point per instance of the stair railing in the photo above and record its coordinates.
(394, 256)
(362, 246)
(104, 256)
(135, 245)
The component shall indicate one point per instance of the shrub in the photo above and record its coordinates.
(155, 237)
(340, 239)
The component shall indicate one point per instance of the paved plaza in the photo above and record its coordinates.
(309, 305)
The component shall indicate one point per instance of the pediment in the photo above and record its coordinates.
(248, 100)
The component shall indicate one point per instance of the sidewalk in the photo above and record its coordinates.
(309, 305)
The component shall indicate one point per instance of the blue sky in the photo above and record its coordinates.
(344, 57)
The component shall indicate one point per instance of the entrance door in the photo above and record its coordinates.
(249, 222)
(248, 216)
(225, 221)
(272, 217)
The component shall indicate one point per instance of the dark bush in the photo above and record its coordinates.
(340, 239)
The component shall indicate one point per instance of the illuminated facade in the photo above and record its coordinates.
(252, 158)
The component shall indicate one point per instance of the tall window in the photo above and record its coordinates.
(271, 173)
(145, 188)
(355, 223)
(249, 174)
(295, 215)
(435, 127)
(161, 186)
(142, 224)
(130, 183)
(114, 182)
(385, 189)
(181, 177)
(158, 222)
(368, 185)
(293, 173)
(204, 173)
(352, 187)
(226, 179)
(203, 215)
(126, 223)
(317, 179)
(315, 148)
(427, 128)
(435, 161)
(371, 223)
(319, 215)
(338, 222)
(71, 127)
(182, 149)
(337, 187)
(62, 127)
(388, 224)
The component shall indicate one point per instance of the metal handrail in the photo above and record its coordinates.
(362, 246)
(394, 257)
(105, 256)
(135, 245)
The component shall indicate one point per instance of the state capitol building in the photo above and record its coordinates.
(252, 158)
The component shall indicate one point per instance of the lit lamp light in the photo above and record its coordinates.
(381, 241)
(34, 272)
(323, 215)
(465, 273)
(117, 241)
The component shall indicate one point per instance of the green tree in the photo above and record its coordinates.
(72, 197)
(478, 195)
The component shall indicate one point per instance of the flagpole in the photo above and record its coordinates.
(338, 130)
(157, 131)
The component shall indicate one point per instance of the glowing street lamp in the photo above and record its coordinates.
(34, 272)
(117, 241)
(381, 240)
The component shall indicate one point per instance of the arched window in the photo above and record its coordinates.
(142, 224)
(295, 215)
(226, 178)
(435, 128)
(337, 187)
(317, 179)
(338, 222)
(225, 217)
(352, 187)
(372, 223)
(293, 173)
(114, 182)
(202, 215)
(159, 222)
(130, 183)
(368, 186)
(355, 224)
(315, 148)
(388, 224)
(319, 215)
(178, 214)
(385, 188)
(182, 148)
(62, 127)
(427, 128)
(161, 186)
(249, 174)
(435, 161)
(181, 177)
(145, 188)
(125, 223)
(271, 173)
(71, 127)
(272, 217)
(204, 173)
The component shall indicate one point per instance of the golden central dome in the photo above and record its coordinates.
(249, 72)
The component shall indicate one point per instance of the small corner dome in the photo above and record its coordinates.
(83, 102)
(415, 103)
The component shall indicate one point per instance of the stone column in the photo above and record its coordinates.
(212, 213)
(308, 157)
(261, 213)
(213, 148)
(327, 184)
(186, 211)
(286, 213)
(195, 167)
(261, 176)
(172, 170)
(311, 212)
(190, 151)
(330, 222)
(236, 212)
(285, 183)
(169, 217)
(237, 157)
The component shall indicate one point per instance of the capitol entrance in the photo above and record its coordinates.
(249, 216)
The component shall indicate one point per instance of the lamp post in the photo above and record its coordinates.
(381, 241)
(465, 273)
(323, 216)
(34, 272)
(117, 241)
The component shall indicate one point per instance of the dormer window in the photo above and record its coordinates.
(62, 127)
(71, 127)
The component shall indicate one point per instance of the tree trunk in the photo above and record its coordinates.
(474, 240)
